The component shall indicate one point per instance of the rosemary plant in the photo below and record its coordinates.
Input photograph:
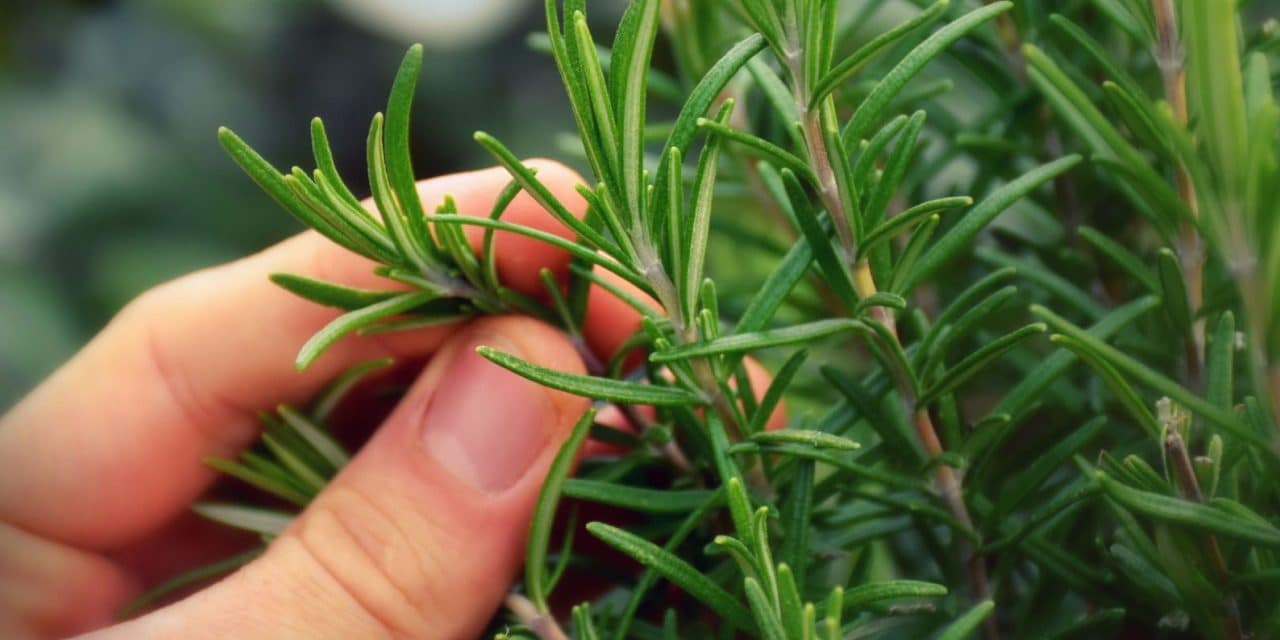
(1045, 409)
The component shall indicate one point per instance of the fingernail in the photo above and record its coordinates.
(485, 424)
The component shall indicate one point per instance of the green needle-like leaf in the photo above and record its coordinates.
(805, 437)
(1192, 514)
(354, 320)
(544, 512)
(978, 360)
(855, 62)
(1155, 380)
(330, 295)
(636, 498)
(762, 608)
(326, 446)
(873, 106)
(591, 387)
(856, 598)
(400, 173)
(966, 625)
(743, 342)
(262, 521)
(679, 572)
(962, 234)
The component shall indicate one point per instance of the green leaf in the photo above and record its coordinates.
(790, 607)
(805, 437)
(699, 101)
(890, 228)
(584, 628)
(324, 404)
(962, 234)
(1118, 385)
(1048, 279)
(767, 150)
(271, 181)
(966, 625)
(592, 387)
(295, 460)
(1154, 380)
(1215, 88)
(820, 241)
(762, 608)
(773, 395)
(629, 73)
(260, 480)
(544, 512)
(1219, 362)
(1023, 396)
(895, 167)
(354, 320)
(841, 73)
(867, 472)
(326, 446)
(1019, 487)
(578, 251)
(679, 572)
(911, 64)
(541, 194)
(963, 306)
(859, 597)
(331, 295)
(262, 521)
(785, 276)
(1129, 263)
(184, 580)
(636, 498)
(650, 575)
(1099, 55)
(393, 215)
(941, 337)
(324, 162)
(796, 543)
(698, 233)
(978, 360)
(589, 70)
(756, 340)
(400, 173)
(1191, 514)
(1173, 291)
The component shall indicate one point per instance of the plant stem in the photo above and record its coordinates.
(1189, 488)
(542, 625)
(1189, 245)
(948, 482)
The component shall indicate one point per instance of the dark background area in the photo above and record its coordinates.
(111, 177)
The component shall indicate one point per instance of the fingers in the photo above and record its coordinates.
(116, 437)
(48, 590)
(421, 533)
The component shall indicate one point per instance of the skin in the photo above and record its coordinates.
(103, 459)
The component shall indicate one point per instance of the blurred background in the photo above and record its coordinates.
(112, 180)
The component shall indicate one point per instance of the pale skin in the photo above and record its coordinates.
(419, 536)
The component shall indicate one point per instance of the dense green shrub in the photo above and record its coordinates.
(1043, 409)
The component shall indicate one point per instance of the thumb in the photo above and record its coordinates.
(420, 535)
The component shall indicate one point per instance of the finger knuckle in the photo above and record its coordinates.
(361, 541)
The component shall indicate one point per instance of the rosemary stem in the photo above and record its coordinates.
(1189, 487)
(1189, 246)
(948, 482)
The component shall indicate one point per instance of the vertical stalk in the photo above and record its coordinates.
(1189, 488)
(948, 483)
(1189, 245)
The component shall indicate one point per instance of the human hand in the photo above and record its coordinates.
(418, 536)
